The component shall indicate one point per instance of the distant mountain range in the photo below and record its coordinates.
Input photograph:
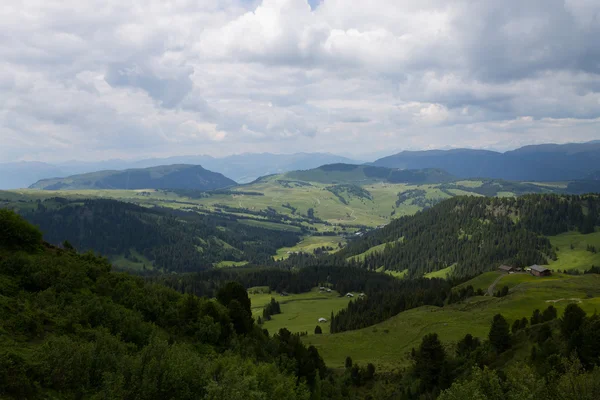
(547, 162)
(242, 168)
(361, 174)
(180, 176)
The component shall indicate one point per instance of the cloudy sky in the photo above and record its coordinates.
(98, 79)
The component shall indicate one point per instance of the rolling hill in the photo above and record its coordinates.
(548, 162)
(177, 176)
(361, 174)
(242, 168)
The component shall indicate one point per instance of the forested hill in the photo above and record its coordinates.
(151, 238)
(476, 234)
(72, 329)
(178, 176)
(350, 173)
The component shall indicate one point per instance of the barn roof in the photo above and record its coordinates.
(538, 268)
(505, 268)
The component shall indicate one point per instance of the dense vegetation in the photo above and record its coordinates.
(558, 359)
(476, 234)
(71, 328)
(342, 279)
(384, 296)
(169, 240)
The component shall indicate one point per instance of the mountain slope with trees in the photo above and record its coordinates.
(178, 176)
(71, 328)
(164, 239)
(476, 234)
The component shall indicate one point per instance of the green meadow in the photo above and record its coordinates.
(578, 257)
(442, 273)
(310, 244)
(482, 281)
(387, 344)
(299, 312)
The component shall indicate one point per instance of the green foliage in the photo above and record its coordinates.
(348, 363)
(430, 364)
(499, 335)
(549, 314)
(572, 320)
(70, 326)
(16, 233)
(475, 234)
(165, 239)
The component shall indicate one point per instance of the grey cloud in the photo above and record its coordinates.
(105, 78)
(168, 91)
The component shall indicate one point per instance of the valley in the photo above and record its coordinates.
(417, 253)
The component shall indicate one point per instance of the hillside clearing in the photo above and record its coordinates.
(299, 312)
(578, 257)
(387, 344)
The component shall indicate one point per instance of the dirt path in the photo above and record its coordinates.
(490, 290)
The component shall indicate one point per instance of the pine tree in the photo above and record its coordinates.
(499, 335)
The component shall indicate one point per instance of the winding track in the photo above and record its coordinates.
(490, 290)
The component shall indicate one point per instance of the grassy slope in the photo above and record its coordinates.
(578, 257)
(442, 273)
(299, 312)
(387, 344)
(277, 192)
(309, 244)
(230, 264)
(374, 249)
(482, 281)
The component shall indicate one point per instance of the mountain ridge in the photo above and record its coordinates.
(176, 176)
(546, 162)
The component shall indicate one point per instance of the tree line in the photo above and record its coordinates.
(72, 328)
(475, 234)
(563, 361)
(172, 241)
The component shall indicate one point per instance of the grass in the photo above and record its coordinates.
(442, 273)
(309, 244)
(127, 264)
(374, 249)
(270, 225)
(482, 281)
(299, 312)
(579, 257)
(397, 274)
(388, 344)
(230, 264)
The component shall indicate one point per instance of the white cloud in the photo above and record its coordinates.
(108, 78)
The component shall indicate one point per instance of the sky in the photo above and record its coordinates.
(100, 79)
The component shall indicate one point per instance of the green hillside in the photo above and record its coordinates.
(361, 174)
(478, 234)
(576, 251)
(72, 329)
(179, 176)
(388, 343)
(142, 239)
